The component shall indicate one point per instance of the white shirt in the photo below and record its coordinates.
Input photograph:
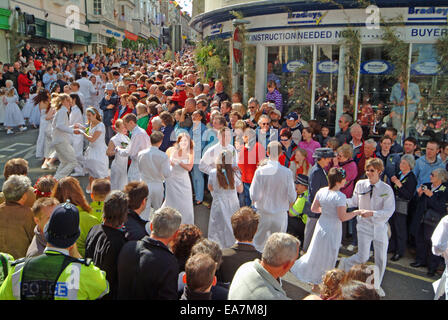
(272, 189)
(154, 165)
(139, 141)
(87, 89)
(208, 161)
(440, 239)
(61, 126)
(382, 203)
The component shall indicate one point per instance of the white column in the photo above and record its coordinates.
(261, 69)
(340, 94)
(313, 85)
(355, 102)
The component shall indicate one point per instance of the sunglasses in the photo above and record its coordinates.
(371, 170)
(264, 124)
(284, 139)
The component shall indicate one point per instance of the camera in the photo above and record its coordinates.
(424, 187)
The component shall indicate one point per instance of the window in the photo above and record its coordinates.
(97, 7)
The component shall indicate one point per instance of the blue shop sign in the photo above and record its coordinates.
(425, 67)
(376, 67)
(327, 66)
(115, 34)
(292, 66)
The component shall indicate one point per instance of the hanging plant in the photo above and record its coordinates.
(212, 58)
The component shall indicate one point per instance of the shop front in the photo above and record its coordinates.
(105, 38)
(302, 47)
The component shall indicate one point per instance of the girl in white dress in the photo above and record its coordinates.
(178, 191)
(2, 105)
(323, 251)
(223, 184)
(96, 161)
(76, 116)
(43, 144)
(35, 112)
(119, 166)
(28, 107)
(13, 114)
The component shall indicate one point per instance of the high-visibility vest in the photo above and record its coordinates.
(299, 205)
(53, 275)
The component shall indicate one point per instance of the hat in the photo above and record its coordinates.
(62, 230)
(320, 153)
(168, 93)
(302, 179)
(292, 116)
(277, 112)
(180, 83)
(110, 86)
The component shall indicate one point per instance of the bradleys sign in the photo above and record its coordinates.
(427, 14)
(305, 17)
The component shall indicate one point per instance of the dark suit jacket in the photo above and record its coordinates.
(233, 258)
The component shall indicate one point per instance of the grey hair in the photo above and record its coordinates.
(165, 222)
(348, 118)
(355, 126)
(371, 142)
(15, 187)
(263, 116)
(254, 100)
(280, 248)
(156, 120)
(409, 159)
(441, 173)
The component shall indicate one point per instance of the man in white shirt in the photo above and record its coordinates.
(139, 141)
(87, 89)
(208, 160)
(154, 167)
(273, 192)
(376, 199)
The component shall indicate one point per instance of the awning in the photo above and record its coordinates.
(130, 36)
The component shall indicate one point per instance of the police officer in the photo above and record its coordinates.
(298, 212)
(56, 274)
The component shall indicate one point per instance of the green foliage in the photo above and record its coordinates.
(442, 52)
(169, 55)
(112, 43)
(16, 37)
(212, 58)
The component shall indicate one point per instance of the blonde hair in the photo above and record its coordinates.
(10, 92)
(119, 123)
(141, 106)
(375, 163)
(346, 150)
(330, 283)
(240, 124)
(239, 107)
(57, 101)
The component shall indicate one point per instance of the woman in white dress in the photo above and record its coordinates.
(2, 105)
(43, 144)
(223, 184)
(76, 116)
(13, 114)
(323, 251)
(96, 161)
(119, 166)
(178, 190)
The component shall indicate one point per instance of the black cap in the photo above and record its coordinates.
(62, 230)
(320, 153)
(302, 179)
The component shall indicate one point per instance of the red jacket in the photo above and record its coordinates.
(24, 84)
(248, 161)
(126, 111)
(180, 97)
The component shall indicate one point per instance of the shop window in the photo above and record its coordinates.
(376, 97)
(429, 118)
(326, 85)
(290, 68)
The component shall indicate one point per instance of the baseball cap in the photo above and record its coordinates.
(320, 153)
(302, 179)
(292, 116)
(180, 83)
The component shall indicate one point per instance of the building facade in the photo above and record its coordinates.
(286, 36)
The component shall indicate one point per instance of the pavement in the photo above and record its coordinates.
(400, 282)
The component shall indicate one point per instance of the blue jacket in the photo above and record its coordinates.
(317, 179)
(391, 166)
(423, 169)
(108, 114)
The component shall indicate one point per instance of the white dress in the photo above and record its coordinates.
(35, 116)
(179, 194)
(119, 166)
(13, 114)
(96, 161)
(43, 144)
(77, 139)
(28, 107)
(225, 203)
(2, 110)
(323, 251)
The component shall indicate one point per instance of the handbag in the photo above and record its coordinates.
(401, 206)
(431, 218)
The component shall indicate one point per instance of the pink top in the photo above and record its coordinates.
(351, 172)
(309, 147)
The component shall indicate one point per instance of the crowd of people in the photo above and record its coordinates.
(155, 142)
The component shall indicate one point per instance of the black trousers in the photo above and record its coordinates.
(424, 247)
(399, 230)
(296, 227)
